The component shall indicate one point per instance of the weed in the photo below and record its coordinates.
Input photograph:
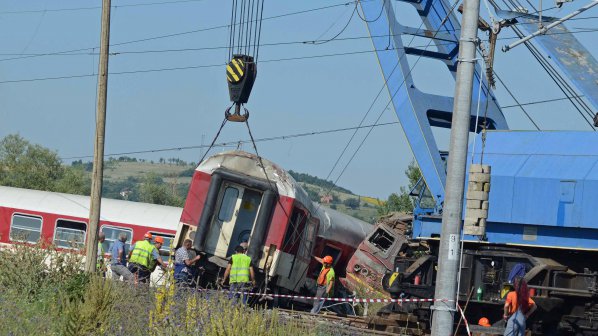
(45, 291)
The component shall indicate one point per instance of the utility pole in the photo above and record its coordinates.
(448, 263)
(98, 150)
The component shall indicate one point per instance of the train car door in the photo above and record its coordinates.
(233, 220)
(246, 215)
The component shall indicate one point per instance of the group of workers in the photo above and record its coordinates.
(517, 309)
(143, 258)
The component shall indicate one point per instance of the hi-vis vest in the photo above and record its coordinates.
(239, 271)
(142, 253)
(326, 275)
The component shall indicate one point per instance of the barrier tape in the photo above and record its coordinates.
(354, 300)
(464, 320)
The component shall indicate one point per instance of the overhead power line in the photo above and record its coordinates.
(89, 52)
(219, 65)
(237, 142)
(182, 33)
(188, 67)
(75, 9)
(75, 51)
(540, 102)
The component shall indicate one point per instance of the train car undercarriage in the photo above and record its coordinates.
(567, 299)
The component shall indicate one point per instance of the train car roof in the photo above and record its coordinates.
(248, 163)
(343, 228)
(116, 211)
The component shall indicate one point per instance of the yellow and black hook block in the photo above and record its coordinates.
(240, 74)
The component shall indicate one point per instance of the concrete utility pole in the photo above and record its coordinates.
(98, 150)
(448, 263)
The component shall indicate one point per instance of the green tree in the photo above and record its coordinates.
(402, 202)
(154, 190)
(31, 166)
(25, 165)
(74, 181)
(352, 203)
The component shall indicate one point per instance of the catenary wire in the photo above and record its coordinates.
(186, 32)
(189, 67)
(23, 80)
(213, 28)
(516, 100)
(342, 30)
(535, 102)
(74, 9)
(236, 142)
(78, 52)
(377, 17)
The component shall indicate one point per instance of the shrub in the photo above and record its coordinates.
(45, 291)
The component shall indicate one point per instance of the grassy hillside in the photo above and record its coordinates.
(122, 179)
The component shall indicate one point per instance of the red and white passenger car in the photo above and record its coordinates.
(30, 216)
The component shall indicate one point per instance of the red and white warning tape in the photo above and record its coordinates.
(464, 320)
(354, 300)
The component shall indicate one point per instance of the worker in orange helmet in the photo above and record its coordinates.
(484, 322)
(325, 283)
(144, 257)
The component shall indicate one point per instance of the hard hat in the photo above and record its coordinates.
(147, 235)
(327, 260)
(484, 322)
(159, 240)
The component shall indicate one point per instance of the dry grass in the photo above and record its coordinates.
(43, 291)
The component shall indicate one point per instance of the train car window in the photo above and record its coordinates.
(25, 228)
(227, 207)
(69, 234)
(168, 239)
(308, 240)
(112, 233)
(382, 239)
(294, 230)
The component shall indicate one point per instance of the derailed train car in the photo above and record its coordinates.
(566, 293)
(566, 298)
(236, 197)
(542, 215)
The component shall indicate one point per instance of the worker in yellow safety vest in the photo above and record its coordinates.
(241, 272)
(100, 263)
(144, 256)
(325, 283)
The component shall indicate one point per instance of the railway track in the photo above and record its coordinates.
(388, 324)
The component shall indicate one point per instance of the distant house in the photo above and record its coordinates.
(326, 199)
(125, 193)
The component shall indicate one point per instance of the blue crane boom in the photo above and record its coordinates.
(544, 184)
(419, 111)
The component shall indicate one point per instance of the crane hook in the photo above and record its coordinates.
(236, 116)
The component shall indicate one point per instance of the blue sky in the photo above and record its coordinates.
(154, 110)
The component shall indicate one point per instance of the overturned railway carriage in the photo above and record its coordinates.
(231, 200)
